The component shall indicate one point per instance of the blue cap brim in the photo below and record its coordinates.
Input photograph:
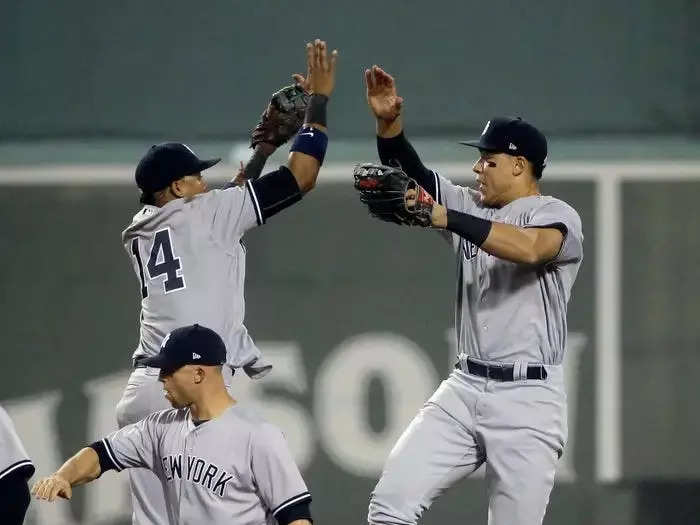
(479, 144)
(206, 164)
(157, 361)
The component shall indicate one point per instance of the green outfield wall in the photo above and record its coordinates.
(356, 316)
(178, 69)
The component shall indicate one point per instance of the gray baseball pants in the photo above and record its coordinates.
(142, 396)
(517, 428)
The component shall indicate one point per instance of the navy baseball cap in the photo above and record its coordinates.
(514, 136)
(168, 162)
(189, 345)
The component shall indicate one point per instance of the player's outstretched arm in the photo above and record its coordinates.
(505, 241)
(81, 468)
(280, 121)
(384, 102)
(253, 168)
(309, 148)
(393, 147)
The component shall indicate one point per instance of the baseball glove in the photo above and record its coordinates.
(393, 196)
(282, 118)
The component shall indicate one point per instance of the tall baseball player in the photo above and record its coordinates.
(15, 470)
(217, 462)
(185, 249)
(518, 254)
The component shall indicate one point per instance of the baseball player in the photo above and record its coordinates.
(218, 463)
(185, 248)
(15, 470)
(518, 253)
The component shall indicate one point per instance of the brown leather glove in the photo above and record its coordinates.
(282, 118)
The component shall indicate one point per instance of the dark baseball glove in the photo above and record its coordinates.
(282, 118)
(393, 196)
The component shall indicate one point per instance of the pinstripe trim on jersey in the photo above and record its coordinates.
(304, 496)
(17, 465)
(438, 196)
(112, 457)
(256, 205)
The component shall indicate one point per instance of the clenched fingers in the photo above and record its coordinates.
(42, 488)
(50, 488)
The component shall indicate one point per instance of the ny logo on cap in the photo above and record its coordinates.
(165, 340)
(486, 128)
(512, 146)
(196, 356)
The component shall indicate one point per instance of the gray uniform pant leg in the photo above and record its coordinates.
(523, 425)
(142, 396)
(433, 453)
(518, 428)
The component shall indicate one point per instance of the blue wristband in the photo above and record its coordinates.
(311, 141)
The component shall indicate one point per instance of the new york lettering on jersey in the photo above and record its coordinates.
(250, 479)
(197, 470)
(494, 323)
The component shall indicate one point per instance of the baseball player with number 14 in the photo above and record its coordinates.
(186, 251)
(518, 253)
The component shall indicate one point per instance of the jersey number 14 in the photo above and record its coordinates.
(162, 261)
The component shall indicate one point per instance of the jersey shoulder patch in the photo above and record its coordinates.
(144, 213)
(142, 216)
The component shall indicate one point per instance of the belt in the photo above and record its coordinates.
(139, 362)
(501, 372)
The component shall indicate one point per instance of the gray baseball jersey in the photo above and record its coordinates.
(191, 267)
(13, 457)
(235, 468)
(506, 311)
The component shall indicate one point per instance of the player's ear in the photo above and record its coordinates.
(519, 166)
(198, 375)
(177, 188)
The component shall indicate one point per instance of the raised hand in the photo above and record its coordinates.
(321, 68)
(381, 94)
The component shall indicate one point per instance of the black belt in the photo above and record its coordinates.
(139, 362)
(501, 372)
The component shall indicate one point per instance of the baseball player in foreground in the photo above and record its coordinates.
(185, 248)
(518, 254)
(15, 470)
(218, 463)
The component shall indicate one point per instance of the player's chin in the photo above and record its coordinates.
(173, 402)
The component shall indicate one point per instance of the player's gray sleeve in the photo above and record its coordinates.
(558, 214)
(276, 474)
(229, 213)
(134, 445)
(454, 197)
(13, 456)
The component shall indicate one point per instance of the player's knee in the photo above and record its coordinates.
(389, 506)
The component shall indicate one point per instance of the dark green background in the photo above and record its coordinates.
(177, 69)
(96, 82)
(323, 271)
